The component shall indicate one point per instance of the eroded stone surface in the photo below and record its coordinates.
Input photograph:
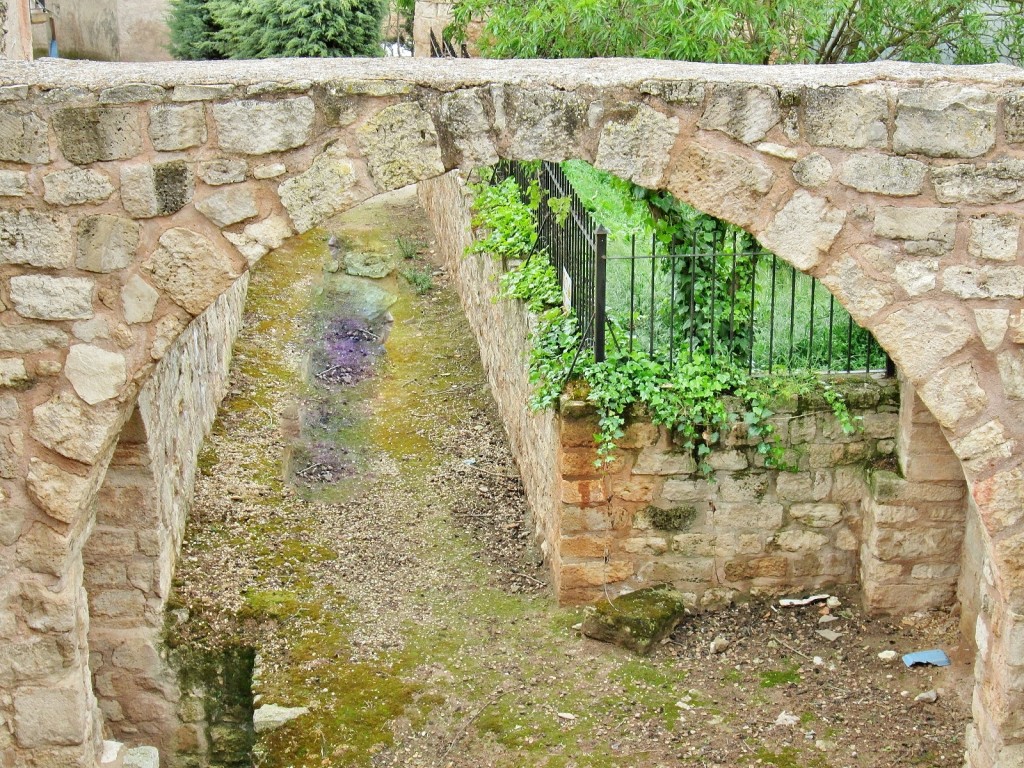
(90, 134)
(173, 127)
(638, 620)
(742, 111)
(22, 137)
(945, 122)
(76, 186)
(228, 206)
(35, 239)
(721, 183)
(96, 373)
(896, 176)
(106, 243)
(261, 127)
(804, 230)
(325, 189)
(52, 298)
(189, 269)
(400, 146)
(852, 118)
(156, 189)
(638, 150)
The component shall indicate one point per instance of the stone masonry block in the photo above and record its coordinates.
(91, 134)
(176, 127)
(35, 239)
(51, 716)
(23, 138)
(261, 127)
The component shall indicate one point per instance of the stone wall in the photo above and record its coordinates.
(134, 195)
(110, 30)
(502, 332)
(651, 516)
(141, 512)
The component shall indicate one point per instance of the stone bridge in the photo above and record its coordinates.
(133, 198)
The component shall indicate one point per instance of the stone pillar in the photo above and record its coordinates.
(431, 15)
(914, 524)
(16, 31)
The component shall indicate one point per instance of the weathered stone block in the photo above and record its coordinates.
(938, 224)
(91, 134)
(326, 188)
(638, 620)
(76, 186)
(268, 171)
(61, 494)
(192, 92)
(1013, 118)
(139, 300)
(400, 146)
(946, 121)
(694, 544)
(219, 172)
(157, 189)
(13, 183)
(584, 492)
(940, 331)
(464, 117)
(954, 394)
(13, 373)
(722, 183)
(686, 92)
(173, 127)
(998, 182)
(994, 237)
(586, 545)
(852, 118)
(759, 567)
(23, 138)
(52, 298)
(95, 373)
(35, 239)
(747, 515)
(1011, 373)
(984, 282)
(743, 111)
(884, 175)
(658, 461)
(800, 541)
(916, 544)
(131, 93)
(261, 127)
(817, 515)
(812, 171)
(106, 243)
(638, 150)
(594, 573)
(51, 716)
(31, 337)
(189, 269)
(229, 206)
(67, 426)
(545, 122)
(803, 231)
(860, 293)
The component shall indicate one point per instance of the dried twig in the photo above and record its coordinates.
(465, 726)
(790, 647)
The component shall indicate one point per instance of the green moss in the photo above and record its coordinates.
(638, 620)
(269, 604)
(775, 677)
(674, 519)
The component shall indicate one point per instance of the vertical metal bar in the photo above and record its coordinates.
(712, 330)
(849, 343)
(672, 310)
(753, 290)
(831, 324)
(650, 338)
(693, 290)
(771, 315)
(733, 284)
(632, 290)
(792, 312)
(810, 341)
(600, 285)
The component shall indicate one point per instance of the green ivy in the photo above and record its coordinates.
(699, 399)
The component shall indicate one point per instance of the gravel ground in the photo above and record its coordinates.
(403, 604)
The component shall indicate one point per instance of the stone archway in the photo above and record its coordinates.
(132, 197)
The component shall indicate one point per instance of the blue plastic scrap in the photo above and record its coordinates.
(935, 658)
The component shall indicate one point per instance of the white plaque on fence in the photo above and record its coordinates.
(566, 290)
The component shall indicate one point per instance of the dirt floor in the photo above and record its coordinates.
(401, 601)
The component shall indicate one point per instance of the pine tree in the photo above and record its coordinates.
(260, 29)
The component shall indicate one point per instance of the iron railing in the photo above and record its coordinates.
(727, 297)
(443, 49)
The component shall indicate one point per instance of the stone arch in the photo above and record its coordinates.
(134, 197)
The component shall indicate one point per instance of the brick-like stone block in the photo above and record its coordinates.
(173, 127)
(51, 716)
(106, 243)
(52, 298)
(850, 118)
(35, 239)
(91, 134)
(261, 127)
(945, 122)
(156, 189)
(23, 137)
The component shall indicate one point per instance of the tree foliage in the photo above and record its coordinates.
(261, 29)
(751, 31)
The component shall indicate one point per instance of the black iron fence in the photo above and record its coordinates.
(724, 297)
(444, 49)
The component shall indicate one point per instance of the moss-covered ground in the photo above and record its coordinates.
(400, 600)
